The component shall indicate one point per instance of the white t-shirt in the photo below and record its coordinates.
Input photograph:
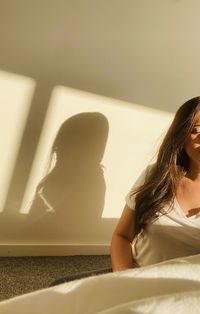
(172, 235)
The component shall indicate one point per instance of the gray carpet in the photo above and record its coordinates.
(21, 275)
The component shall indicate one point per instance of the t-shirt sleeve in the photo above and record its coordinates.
(130, 199)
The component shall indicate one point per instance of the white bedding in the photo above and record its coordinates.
(172, 286)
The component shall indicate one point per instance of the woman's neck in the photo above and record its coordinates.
(194, 172)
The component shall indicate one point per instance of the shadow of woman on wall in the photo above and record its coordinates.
(69, 200)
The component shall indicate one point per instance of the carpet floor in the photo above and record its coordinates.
(21, 275)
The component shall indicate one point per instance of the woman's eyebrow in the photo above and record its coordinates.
(197, 124)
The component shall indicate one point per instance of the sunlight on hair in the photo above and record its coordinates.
(134, 133)
(16, 93)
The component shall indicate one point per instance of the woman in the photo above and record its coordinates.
(161, 217)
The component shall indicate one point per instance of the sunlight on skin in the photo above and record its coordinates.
(16, 93)
(134, 134)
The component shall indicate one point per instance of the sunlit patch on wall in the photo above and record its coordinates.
(134, 135)
(16, 93)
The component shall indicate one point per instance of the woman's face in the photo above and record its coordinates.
(192, 144)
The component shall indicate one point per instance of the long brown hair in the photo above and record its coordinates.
(171, 164)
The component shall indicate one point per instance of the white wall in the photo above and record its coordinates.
(134, 62)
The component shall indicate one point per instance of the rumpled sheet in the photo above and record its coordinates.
(168, 287)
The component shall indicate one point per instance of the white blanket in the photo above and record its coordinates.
(172, 286)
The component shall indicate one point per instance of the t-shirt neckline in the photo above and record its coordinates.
(180, 210)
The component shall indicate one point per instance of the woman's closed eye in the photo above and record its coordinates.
(196, 130)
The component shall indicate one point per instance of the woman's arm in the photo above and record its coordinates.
(121, 249)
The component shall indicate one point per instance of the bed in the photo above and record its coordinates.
(169, 286)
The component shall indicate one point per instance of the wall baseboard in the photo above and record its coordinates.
(54, 250)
